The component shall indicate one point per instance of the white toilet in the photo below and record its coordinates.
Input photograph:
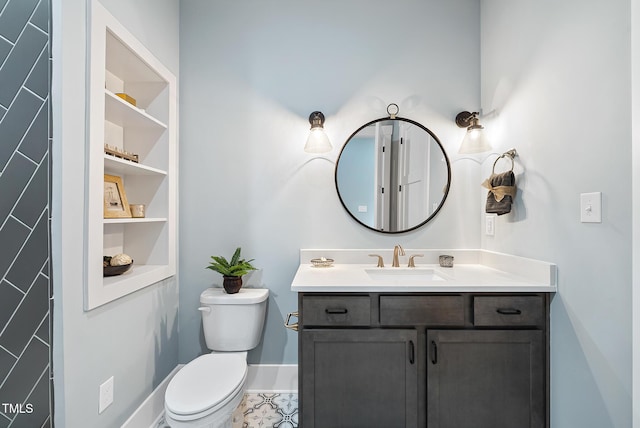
(207, 390)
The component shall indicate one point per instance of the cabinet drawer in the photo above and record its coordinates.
(422, 310)
(508, 311)
(336, 311)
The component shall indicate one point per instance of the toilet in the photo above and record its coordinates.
(206, 391)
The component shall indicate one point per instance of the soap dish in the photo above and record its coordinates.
(322, 262)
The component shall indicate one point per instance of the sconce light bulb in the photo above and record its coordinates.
(474, 134)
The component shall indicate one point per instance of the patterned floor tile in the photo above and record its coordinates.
(263, 410)
(267, 410)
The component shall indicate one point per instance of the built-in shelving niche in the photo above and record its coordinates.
(120, 63)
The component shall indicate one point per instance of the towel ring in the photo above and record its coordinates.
(510, 154)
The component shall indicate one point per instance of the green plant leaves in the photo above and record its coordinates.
(237, 266)
(236, 257)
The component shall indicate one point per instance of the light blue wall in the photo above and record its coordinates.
(557, 76)
(133, 338)
(251, 72)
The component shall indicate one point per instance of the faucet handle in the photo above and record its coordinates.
(412, 263)
(380, 261)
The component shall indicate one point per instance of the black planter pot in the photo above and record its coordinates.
(232, 284)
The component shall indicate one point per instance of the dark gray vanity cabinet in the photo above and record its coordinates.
(465, 360)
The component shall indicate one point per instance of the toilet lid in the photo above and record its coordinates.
(205, 383)
(246, 296)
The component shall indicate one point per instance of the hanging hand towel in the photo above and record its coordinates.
(502, 190)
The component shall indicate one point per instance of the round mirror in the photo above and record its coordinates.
(393, 175)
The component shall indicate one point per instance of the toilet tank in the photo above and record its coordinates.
(233, 322)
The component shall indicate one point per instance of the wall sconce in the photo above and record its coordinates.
(318, 142)
(475, 140)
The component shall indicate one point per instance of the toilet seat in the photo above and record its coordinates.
(205, 385)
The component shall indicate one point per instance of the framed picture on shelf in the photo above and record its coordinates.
(115, 198)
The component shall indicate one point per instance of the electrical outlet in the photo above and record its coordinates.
(490, 225)
(106, 395)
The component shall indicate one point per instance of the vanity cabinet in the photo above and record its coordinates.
(459, 360)
(132, 106)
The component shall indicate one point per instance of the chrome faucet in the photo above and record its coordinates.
(397, 250)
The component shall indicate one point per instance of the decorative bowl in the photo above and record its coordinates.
(322, 262)
(115, 270)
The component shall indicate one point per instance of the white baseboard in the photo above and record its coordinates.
(152, 408)
(260, 378)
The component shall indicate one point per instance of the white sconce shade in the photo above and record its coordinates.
(317, 142)
(475, 140)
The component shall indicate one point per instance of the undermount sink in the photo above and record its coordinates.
(407, 275)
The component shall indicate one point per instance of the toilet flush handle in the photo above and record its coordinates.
(204, 309)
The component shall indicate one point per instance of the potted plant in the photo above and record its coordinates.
(231, 271)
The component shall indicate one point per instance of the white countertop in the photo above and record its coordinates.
(473, 271)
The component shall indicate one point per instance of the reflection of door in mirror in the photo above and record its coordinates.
(402, 195)
(383, 134)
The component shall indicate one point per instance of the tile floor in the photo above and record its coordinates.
(264, 410)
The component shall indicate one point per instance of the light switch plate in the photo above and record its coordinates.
(106, 395)
(591, 207)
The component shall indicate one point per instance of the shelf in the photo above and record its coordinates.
(121, 63)
(126, 115)
(135, 220)
(139, 274)
(113, 164)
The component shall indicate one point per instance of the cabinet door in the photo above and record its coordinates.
(485, 379)
(358, 378)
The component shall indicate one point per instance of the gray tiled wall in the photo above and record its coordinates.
(25, 286)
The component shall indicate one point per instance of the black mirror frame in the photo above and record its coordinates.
(446, 192)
